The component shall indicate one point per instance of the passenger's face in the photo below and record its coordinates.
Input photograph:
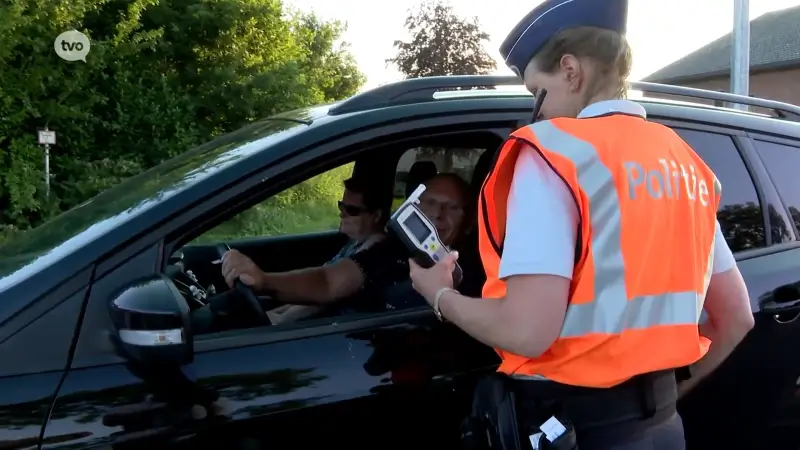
(443, 203)
(357, 221)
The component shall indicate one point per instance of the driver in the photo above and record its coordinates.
(360, 276)
(363, 212)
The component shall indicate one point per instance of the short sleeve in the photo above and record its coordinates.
(542, 221)
(382, 264)
(723, 256)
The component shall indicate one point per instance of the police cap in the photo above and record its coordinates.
(554, 16)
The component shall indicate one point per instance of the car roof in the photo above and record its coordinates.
(682, 103)
(632, 95)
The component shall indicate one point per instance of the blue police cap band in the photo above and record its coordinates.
(554, 16)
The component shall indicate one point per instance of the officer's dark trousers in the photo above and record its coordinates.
(639, 414)
(662, 432)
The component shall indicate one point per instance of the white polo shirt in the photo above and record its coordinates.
(542, 222)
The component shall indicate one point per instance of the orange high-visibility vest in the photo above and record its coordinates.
(645, 247)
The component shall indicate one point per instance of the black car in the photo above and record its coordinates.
(97, 349)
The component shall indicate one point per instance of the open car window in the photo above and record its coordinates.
(310, 206)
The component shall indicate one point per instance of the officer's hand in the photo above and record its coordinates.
(236, 265)
(428, 281)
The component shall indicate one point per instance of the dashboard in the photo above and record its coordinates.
(186, 281)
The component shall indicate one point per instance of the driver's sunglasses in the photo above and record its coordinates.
(351, 210)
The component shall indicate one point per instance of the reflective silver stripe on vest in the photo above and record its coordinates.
(611, 312)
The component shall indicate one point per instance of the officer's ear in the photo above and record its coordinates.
(572, 71)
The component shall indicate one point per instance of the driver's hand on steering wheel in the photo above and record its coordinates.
(236, 265)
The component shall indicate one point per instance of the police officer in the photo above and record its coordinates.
(599, 238)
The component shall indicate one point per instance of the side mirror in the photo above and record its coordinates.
(152, 324)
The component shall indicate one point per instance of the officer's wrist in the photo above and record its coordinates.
(445, 300)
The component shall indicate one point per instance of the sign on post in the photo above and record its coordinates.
(47, 137)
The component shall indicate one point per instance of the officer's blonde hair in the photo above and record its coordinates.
(608, 49)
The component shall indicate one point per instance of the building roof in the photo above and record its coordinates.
(774, 44)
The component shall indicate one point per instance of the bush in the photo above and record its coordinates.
(305, 208)
(161, 77)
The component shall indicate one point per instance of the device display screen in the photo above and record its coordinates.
(417, 227)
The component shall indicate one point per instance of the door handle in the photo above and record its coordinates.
(442, 379)
(782, 301)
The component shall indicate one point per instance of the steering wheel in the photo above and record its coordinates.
(246, 292)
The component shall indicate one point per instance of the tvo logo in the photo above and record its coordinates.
(72, 45)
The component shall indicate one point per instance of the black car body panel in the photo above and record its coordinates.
(756, 388)
(359, 380)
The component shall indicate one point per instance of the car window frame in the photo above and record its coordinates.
(740, 140)
(296, 169)
(785, 141)
(256, 194)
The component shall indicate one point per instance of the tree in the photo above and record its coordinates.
(162, 77)
(442, 43)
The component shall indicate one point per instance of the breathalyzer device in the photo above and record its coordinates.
(419, 235)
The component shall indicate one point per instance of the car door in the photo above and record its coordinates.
(744, 392)
(780, 159)
(389, 379)
(350, 381)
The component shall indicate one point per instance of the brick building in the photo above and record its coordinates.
(774, 60)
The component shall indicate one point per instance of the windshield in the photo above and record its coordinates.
(72, 229)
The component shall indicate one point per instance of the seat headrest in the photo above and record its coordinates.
(481, 169)
(419, 173)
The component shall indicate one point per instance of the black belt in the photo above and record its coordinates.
(637, 399)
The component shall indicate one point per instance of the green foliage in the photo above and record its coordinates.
(162, 76)
(307, 207)
(442, 43)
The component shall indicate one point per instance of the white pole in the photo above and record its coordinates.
(740, 51)
(47, 170)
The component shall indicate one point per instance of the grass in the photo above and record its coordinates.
(305, 208)
(265, 220)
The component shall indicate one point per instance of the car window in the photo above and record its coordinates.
(417, 163)
(782, 163)
(307, 207)
(740, 215)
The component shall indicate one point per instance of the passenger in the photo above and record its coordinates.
(449, 204)
(360, 277)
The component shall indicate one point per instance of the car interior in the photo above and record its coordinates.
(196, 271)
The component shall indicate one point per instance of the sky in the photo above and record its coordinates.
(659, 31)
